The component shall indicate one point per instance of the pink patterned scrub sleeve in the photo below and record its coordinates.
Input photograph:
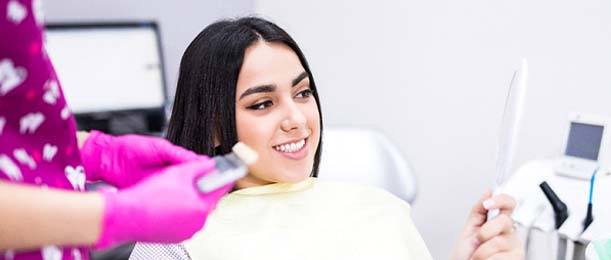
(37, 131)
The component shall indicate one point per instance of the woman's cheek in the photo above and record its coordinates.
(255, 132)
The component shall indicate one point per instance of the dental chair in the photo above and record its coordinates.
(368, 157)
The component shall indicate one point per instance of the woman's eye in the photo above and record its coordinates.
(261, 105)
(304, 94)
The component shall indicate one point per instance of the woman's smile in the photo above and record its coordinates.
(294, 150)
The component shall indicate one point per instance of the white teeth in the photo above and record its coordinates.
(290, 148)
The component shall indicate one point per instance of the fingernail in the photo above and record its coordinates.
(488, 204)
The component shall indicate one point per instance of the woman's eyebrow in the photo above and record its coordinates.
(299, 78)
(271, 87)
(258, 89)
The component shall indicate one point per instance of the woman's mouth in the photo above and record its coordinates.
(296, 150)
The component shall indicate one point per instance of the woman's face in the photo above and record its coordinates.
(276, 115)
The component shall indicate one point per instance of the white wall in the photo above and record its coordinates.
(433, 75)
(180, 21)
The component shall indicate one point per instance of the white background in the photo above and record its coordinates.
(431, 74)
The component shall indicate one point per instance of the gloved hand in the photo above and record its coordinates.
(165, 208)
(125, 160)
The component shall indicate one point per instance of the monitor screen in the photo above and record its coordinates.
(111, 67)
(584, 141)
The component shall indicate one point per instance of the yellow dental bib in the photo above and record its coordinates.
(311, 219)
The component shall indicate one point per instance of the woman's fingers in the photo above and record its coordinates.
(505, 203)
(500, 247)
(477, 216)
(498, 241)
(491, 247)
(484, 238)
(502, 224)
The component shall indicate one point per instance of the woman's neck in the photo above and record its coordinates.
(272, 188)
(250, 181)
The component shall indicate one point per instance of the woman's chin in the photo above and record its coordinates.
(294, 179)
(293, 174)
(252, 180)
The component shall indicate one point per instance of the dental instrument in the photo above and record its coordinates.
(561, 213)
(579, 249)
(228, 168)
(589, 218)
(512, 115)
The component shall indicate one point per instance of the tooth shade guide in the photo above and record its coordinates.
(245, 153)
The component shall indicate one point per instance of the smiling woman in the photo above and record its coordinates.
(278, 116)
(247, 80)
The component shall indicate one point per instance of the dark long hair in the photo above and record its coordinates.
(204, 105)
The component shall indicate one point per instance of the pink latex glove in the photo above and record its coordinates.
(125, 160)
(165, 208)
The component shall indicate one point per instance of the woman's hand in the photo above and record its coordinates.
(494, 239)
(125, 160)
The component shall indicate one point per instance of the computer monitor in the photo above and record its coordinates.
(110, 70)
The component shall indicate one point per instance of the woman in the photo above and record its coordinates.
(45, 211)
(247, 80)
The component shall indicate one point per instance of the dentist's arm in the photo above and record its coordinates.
(33, 217)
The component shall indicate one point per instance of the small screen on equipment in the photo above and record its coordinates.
(584, 141)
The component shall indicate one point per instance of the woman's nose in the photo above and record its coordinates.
(294, 119)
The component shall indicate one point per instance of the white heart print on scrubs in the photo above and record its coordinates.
(48, 152)
(30, 122)
(51, 253)
(24, 158)
(65, 113)
(51, 92)
(16, 12)
(8, 167)
(76, 176)
(10, 76)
